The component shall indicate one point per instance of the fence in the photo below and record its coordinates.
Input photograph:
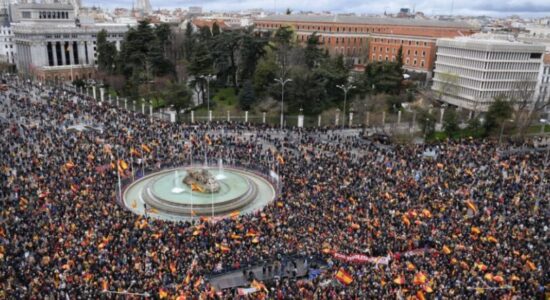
(401, 121)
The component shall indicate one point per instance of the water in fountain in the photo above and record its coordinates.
(220, 175)
(177, 189)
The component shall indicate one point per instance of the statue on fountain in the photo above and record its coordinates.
(200, 180)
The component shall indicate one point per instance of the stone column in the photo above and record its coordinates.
(94, 92)
(54, 49)
(110, 99)
(210, 116)
(319, 121)
(442, 112)
(228, 116)
(192, 116)
(246, 116)
(368, 117)
(263, 117)
(337, 117)
(102, 94)
(398, 118)
(142, 106)
(350, 118)
(383, 118)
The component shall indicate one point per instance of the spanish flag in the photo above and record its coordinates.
(419, 278)
(235, 214)
(173, 268)
(145, 148)
(475, 230)
(207, 139)
(420, 295)
(69, 165)
(406, 220)
(480, 266)
(344, 277)
(410, 266)
(426, 213)
(492, 239)
(471, 205)
(74, 188)
(446, 250)
(163, 294)
(531, 265)
(91, 156)
(198, 282)
(122, 164)
(187, 278)
(280, 159)
(224, 248)
(104, 285)
(134, 152)
(399, 280)
(498, 279)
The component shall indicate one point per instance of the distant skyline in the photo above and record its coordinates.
(530, 8)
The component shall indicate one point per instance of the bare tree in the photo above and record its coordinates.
(447, 85)
(528, 105)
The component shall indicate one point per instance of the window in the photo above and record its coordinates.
(26, 14)
(407, 61)
(409, 52)
(423, 53)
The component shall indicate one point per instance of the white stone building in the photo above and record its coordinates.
(7, 46)
(52, 44)
(471, 71)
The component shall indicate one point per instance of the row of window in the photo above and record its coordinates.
(330, 29)
(400, 41)
(53, 14)
(484, 75)
(394, 50)
(407, 60)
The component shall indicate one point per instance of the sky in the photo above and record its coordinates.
(528, 8)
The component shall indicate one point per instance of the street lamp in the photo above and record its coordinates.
(542, 125)
(208, 78)
(502, 130)
(345, 88)
(282, 82)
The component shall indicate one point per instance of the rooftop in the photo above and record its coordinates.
(366, 20)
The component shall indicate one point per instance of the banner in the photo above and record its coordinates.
(362, 259)
(378, 260)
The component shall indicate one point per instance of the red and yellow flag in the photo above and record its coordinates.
(163, 294)
(420, 278)
(344, 277)
(145, 148)
(280, 159)
(471, 205)
(399, 280)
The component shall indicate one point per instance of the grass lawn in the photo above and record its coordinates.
(224, 100)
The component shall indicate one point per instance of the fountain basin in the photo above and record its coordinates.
(163, 195)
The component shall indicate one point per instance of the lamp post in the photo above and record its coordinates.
(282, 82)
(346, 89)
(502, 131)
(208, 78)
(542, 125)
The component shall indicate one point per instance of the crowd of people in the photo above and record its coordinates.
(469, 222)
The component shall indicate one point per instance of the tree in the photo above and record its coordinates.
(382, 77)
(312, 52)
(446, 85)
(307, 91)
(189, 41)
(265, 74)
(106, 53)
(246, 96)
(332, 72)
(450, 123)
(215, 29)
(178, 96)
(499, 111)
(288, 11)
(253, 49)
(399, 60)
(427, 123)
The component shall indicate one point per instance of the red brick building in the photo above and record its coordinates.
(365, 39)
